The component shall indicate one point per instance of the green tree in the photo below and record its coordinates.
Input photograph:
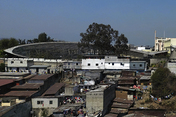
(42, 37)
(121, 46)
(101, 38)
(163, 82)
(12, 42)
(4, 43)
(20, 41)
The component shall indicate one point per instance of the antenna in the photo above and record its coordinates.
(164, 34)
(155, 34)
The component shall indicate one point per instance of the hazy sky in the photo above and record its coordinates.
(66, 19)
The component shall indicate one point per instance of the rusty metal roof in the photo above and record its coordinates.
(118, 110)
(53, 89)
(20, 93)
(124, 101)
(146, 113)
(5, 81)
(111, 115)
(42, 77)
(120, 105)
(28, 86)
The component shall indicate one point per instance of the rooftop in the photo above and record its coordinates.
(5, 81)
(41, 77)
(20, 93)
(54, 88)
(28, 86)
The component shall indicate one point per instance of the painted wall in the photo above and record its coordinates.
(44, 102)
(93, 63)
(138, 65)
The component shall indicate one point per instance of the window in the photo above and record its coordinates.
(68, 63)
(88, 64)
(102, 63)
(12, 62)
(113, 64)
(21, 61)
(50, 102)
(39, 102)
(109, 63)
(133, 65)
(122, 64)
(96, 64)
(140, 65)
(76, 63)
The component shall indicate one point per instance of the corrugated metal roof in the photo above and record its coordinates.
(5, 81)
(28, 86)
(126, 88)
(124, 101)
(53, 89)
(20, 93)
(118, 110)
(120, 105)
(111, 115)
(42, 77)
(39, 66)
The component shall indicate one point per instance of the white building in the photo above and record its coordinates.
(113, 62)
(93, 63)
(18, 64)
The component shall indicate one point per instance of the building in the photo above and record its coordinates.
(114, 62)
(99, 100)
(44, 104)
(169, 43)
(33, 65)
(138, 65)
(18, 64)
(93, 63)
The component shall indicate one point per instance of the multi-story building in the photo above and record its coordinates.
(162, 44)
(169, 43)
(99, 100)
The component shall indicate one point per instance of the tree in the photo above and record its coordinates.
(21, 42)
(4, 43)
(121, 46)
(12, 42)
(163, 82)
(42, 37)
(101, 38)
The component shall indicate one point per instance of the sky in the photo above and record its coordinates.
(66, 19)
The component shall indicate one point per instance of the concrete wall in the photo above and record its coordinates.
(117, 65)
(156, 60)
(100, 99)
(94, 101)
(17, 62)
(46, 103)
(138, 65)
(93, 63)
(40, 70)
(19, 110)
(172, 67)
(69, 90)
(72, 65)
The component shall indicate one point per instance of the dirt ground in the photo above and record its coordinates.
(148, 103)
